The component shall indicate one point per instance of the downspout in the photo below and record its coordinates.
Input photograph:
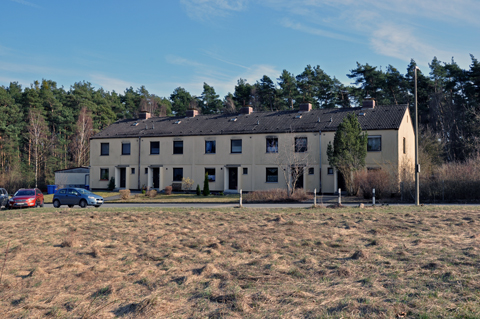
(320, 160)
(139, 150)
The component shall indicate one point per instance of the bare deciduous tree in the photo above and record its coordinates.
(37, 131)
(80, 144)
(292, 158)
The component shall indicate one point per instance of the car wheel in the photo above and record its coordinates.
(41, 205)
(56, 203)
(70, 206)
(83, 203)
(36, 204)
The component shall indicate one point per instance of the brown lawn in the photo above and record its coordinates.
(382, 262)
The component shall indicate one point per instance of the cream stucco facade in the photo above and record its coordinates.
(233, 167)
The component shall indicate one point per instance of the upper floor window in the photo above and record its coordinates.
(374, 144)
(154, 148)
(300, 144)
(210, 147)
(272, 145)
(104, 149)
(125, 148)
(177, 147)
(236, 146)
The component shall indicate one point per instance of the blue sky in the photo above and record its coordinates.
(164, 44)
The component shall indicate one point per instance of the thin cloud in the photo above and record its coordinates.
(26, 3)
(221, 59)
(287, 23)
(204, 9)
(111, 84)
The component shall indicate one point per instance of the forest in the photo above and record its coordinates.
(45, 127)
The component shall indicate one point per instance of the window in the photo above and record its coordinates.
(104, 174)
(125, 148)
(177, 174)
(105, 149)
(210, 147)
(146, 170)
(311, 171)
(271, 175)
(245, 171)
(62, 191)
(374, 144)
(272, 145)
(132, 170)
(211, 174)
(154, 148)
(404, 146)
(330, 171)
(177, 147)
(236, 146)
(300, 144)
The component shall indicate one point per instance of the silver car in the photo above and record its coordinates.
(3, 197)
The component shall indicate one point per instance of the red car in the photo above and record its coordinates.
(26, 197)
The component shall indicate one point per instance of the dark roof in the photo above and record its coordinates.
(325, 120)
(80, 169)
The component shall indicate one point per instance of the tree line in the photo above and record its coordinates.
(45, 127)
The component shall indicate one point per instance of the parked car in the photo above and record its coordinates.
(3, 197)
(76, 196)
(26, 197)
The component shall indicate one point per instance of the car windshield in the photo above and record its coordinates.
(25, 192)
(83, 191)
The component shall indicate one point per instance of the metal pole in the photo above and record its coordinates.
(373, 197)
(339, 196)
(417, 166)
(241, 198)
(315, 197)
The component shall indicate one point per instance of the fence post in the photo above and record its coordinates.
(443, 191)
(315, 197)
(339, 196)
(241, 205)
(401, 191)
(373, 198)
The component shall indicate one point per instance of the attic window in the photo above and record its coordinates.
(233, 120)
(298, 116)
(178, 122)
(135, 124)
(361, 114)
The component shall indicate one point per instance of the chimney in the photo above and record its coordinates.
(368, 103)
(144, 115)
(191, 113)
(246, 110)
(305, 107)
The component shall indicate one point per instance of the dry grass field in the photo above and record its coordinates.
(382, 262)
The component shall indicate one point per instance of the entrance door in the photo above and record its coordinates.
(298, 173)
(156, 177)
(123, 177)
(232, 178)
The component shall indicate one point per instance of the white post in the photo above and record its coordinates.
(339, 196)
(241, 198)
(315, 197)
(373, 198)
